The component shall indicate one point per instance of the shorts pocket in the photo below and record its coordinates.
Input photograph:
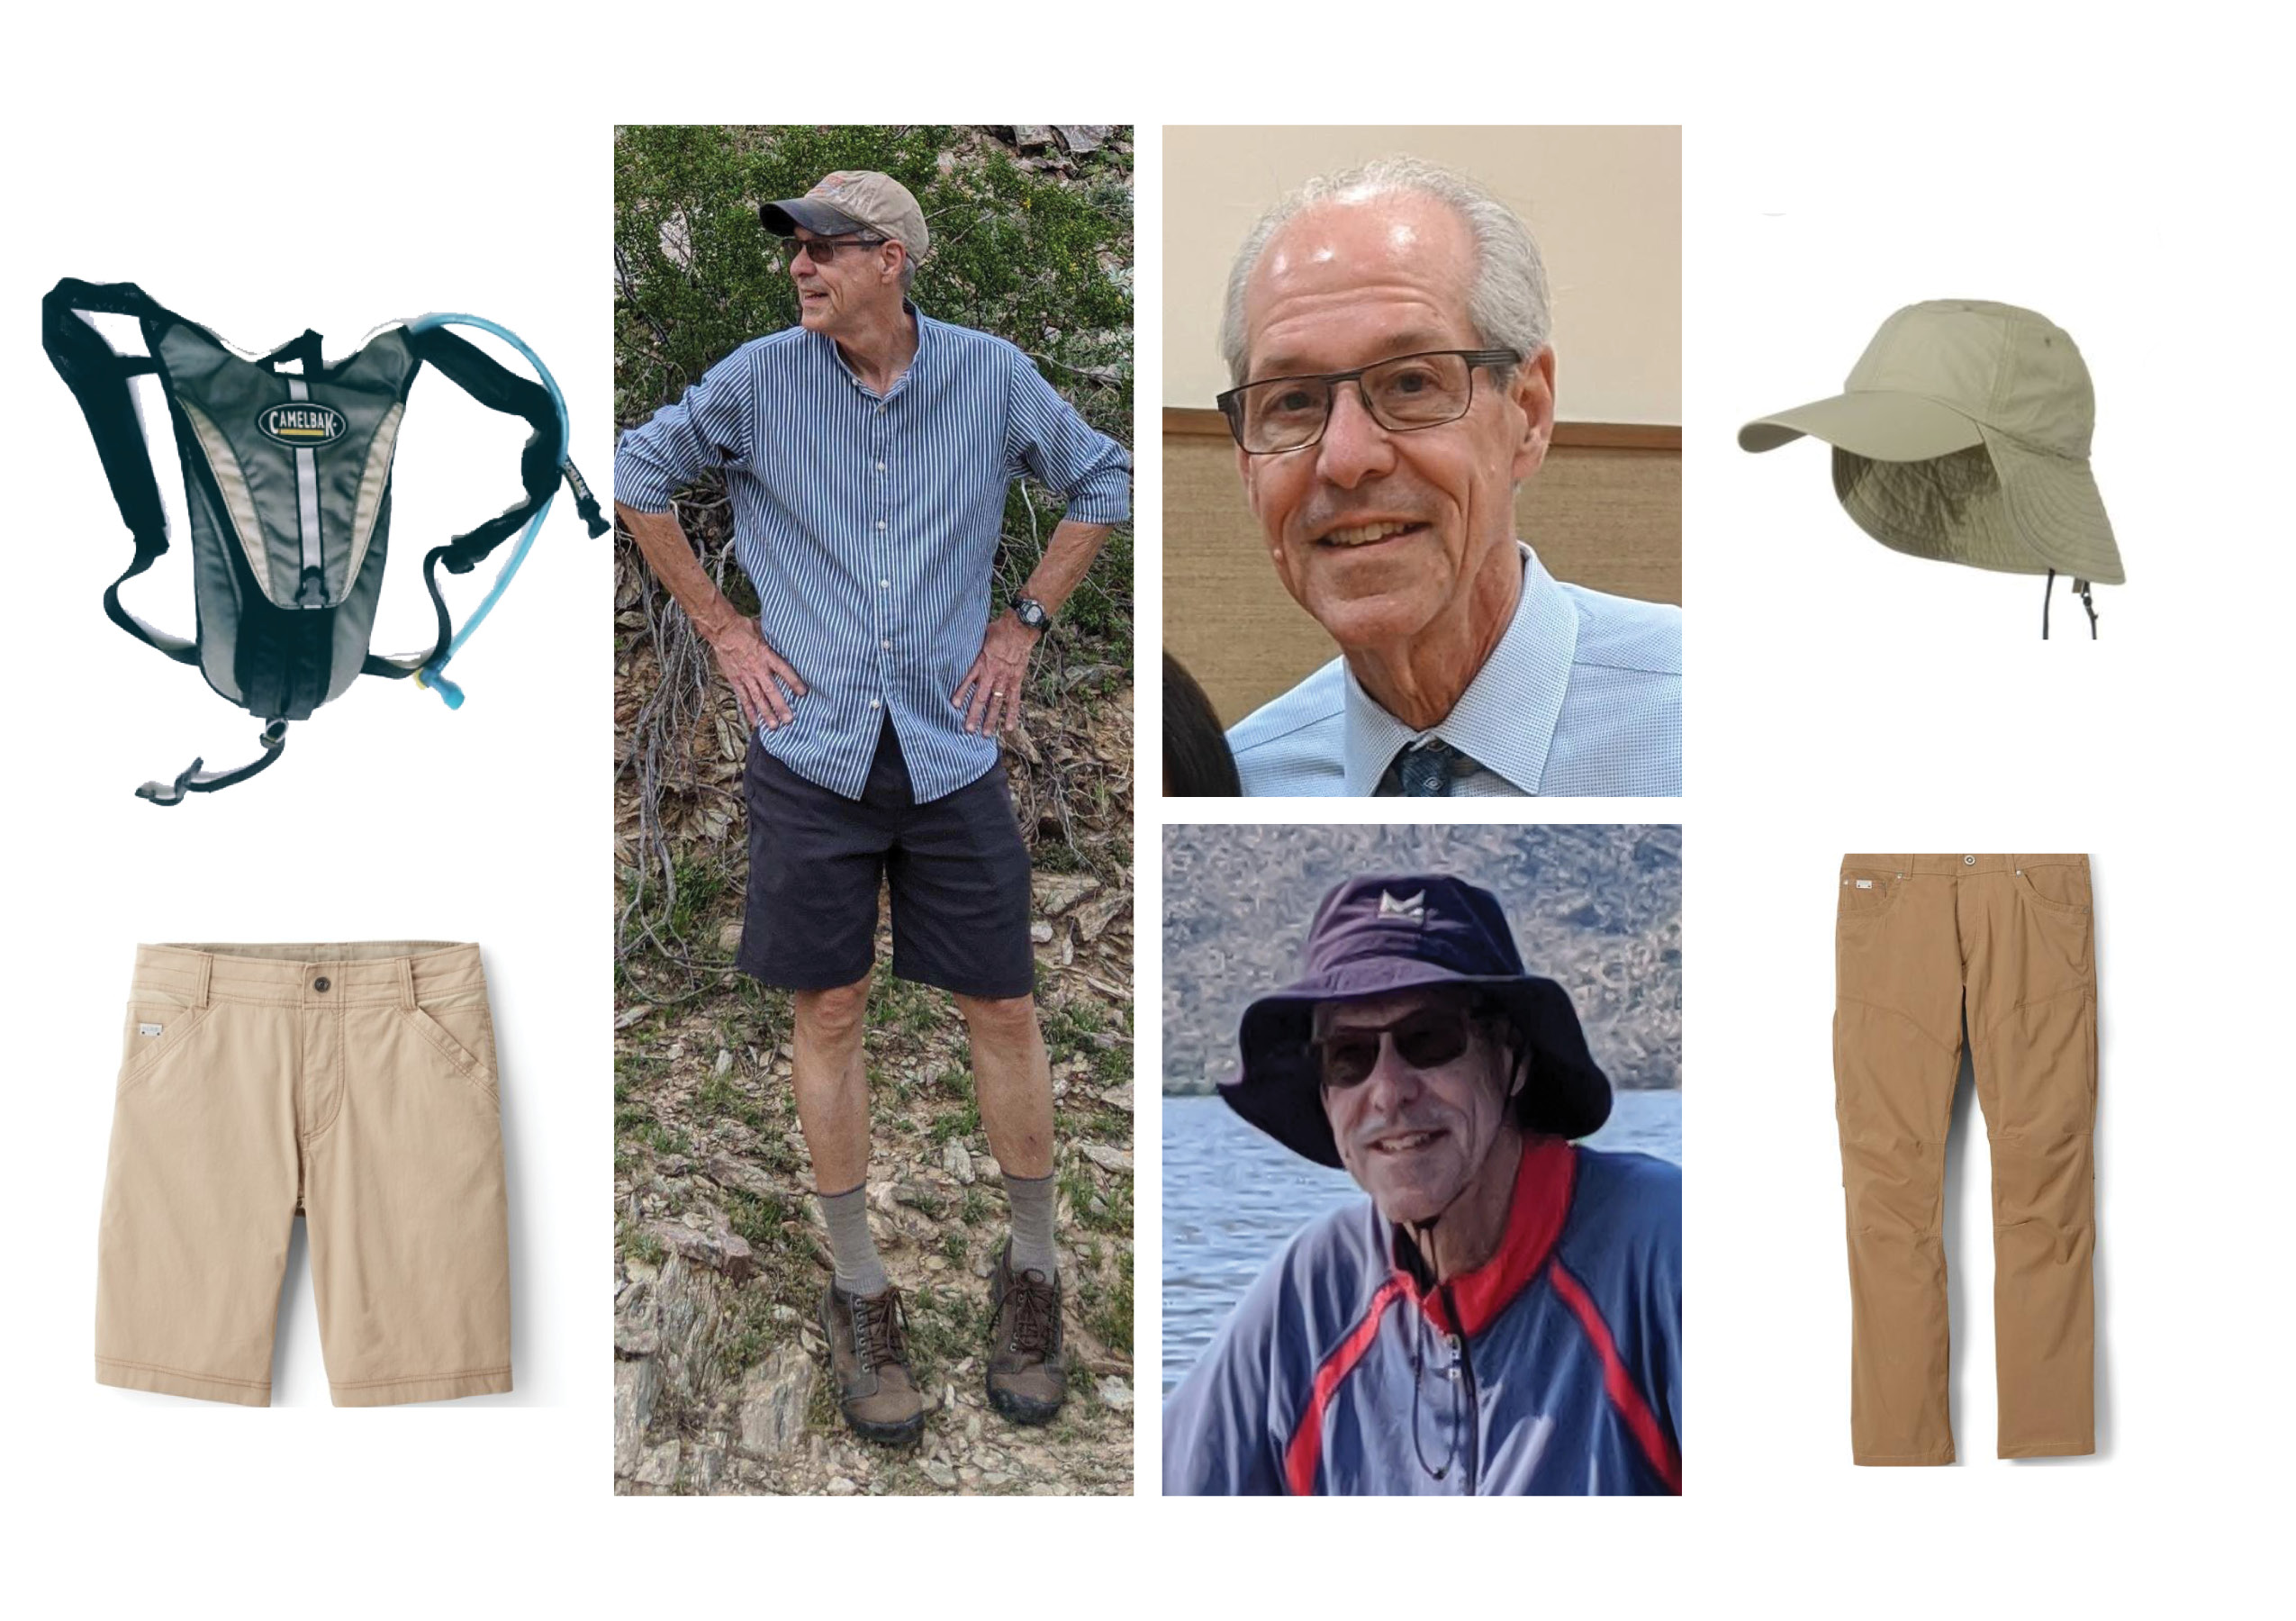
(464, 1036)
(154, 1029)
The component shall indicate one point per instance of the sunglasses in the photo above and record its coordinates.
(1426, 1039)
(821, 250)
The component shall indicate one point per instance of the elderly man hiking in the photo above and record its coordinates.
(867, 451)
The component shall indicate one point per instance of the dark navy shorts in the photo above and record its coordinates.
(958, 871)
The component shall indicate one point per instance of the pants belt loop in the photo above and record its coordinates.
(406, 984)
(206, 972)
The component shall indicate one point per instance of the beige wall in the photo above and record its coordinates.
(1605, 205)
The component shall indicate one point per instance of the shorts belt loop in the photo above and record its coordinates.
(406, 984)
(205, 972)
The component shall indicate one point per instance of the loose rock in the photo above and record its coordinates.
(957, 1161)
(1055, 892)
(728, 1172)
(773, 1397)
(723, 1250)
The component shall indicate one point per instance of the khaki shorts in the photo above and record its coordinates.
(351, 1085)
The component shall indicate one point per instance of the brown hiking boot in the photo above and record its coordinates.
(1027, 1380)
(869, 1360)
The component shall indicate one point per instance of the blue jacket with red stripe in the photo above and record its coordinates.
(1337, 1372)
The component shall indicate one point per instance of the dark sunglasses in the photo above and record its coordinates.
(822, 250)
(1426, 1039)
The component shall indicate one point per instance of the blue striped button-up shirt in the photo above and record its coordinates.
(1582, 695)
(868, 524)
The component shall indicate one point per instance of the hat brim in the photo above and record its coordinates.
(1279, 1093)
(783, 218)
(1883, 426)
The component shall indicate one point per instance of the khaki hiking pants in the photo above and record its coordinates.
(1999, 949)
(353, 1085)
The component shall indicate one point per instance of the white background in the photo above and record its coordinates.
(257, 202)
(1845, 697)
(309, 169)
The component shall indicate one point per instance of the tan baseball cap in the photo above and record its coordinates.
(1963, 435)
(854, 202)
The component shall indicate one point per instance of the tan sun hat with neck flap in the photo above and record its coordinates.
(1963, 436)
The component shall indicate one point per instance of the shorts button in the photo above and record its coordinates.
(1968, 861)
(320, 983)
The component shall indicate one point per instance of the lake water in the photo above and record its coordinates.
(1232, 1196)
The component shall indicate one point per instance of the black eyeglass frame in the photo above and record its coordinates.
(1231, 403)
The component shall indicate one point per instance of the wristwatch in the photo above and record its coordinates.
(1030, 613)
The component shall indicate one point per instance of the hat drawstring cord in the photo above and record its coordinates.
(2082, 587)
(1433, 1471)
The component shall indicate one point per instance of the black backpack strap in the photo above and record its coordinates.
(193, 780)
(98, 376)
(493, 386)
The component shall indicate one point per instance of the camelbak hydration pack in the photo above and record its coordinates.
(286, 468)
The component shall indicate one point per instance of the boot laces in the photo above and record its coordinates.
(880, 1330)
(1035, 1306)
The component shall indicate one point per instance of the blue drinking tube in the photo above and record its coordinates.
(431, 676)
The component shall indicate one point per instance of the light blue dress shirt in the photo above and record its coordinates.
(868, 525)
(1582, 695)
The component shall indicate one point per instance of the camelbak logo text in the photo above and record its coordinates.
(301, 424)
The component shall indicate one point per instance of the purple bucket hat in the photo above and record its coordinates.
(1383, 933)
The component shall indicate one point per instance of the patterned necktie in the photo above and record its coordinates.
(1425, 769)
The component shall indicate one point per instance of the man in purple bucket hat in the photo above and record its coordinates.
(1504, 1315)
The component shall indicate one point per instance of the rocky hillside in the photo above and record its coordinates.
(720, 1255)
(1597, 908)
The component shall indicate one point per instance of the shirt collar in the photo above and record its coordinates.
(1506, 720)
(1536, 1210)
(925, 324)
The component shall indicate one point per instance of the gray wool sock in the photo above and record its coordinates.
(1032, 1199)
(851, 1250)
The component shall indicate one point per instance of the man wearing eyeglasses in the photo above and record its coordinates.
(866, 453)
(1386, 330)
(1504, 1315)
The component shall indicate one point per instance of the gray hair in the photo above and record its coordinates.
(1508, 301)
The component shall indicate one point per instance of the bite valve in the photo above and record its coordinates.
(432, 680)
